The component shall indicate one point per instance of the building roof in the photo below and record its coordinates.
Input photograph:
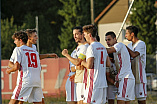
(114, 12)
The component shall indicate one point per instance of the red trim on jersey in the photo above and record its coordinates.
(91, 86)
(141, 74)
(20, 84)
(85, 77)
(120, 63)
(144, 89)
(72, 90)
(124, 87)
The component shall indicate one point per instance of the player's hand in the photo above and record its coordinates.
(72, 77)
(8, 70)
(55, 55)
(82, 63)
(64, 52)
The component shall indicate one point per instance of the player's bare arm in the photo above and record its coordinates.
(73, 69)
(89, 63)
(110, 50)
(14, 68)
(73, 60)
(52, 55)
(132, 53)
(11, 64)
(72, 77)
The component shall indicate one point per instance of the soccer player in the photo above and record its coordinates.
(70, 86)
(125, 77)
(137, 50)
(96, 60)
(112, 72)
(26, 61)
(81, 55)
(32, 39)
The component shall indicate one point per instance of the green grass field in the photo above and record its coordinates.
(151, 99)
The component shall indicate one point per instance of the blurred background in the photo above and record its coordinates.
(54, 20)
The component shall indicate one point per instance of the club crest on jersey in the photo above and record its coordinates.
(82, 96)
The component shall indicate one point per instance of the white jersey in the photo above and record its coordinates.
(139, 62)
(34, 47)
(81, 53)
(123, 58)
(29, 73)
(73, 55)
(97, 75)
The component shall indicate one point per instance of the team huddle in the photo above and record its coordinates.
(99, 75)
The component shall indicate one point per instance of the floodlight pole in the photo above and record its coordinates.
(36, 19)
(92, 11)
(125, 18)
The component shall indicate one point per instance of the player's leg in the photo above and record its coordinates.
(142, 102)
(20, 95)
(43, 102)
(111, 93)
(80, 92)
(141, 93)
(36, 95)
(120, 102)
(126, 91)
(70, 92)
(13, 101)
(20, 102)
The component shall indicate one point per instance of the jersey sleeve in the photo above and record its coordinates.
(17, 55)
(90, 52)
(118, 46)
(141, 48)
(82, 54)
(34, 47)
(12, 58)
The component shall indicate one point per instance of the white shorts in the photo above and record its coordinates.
(70, 91)
(80, 87)
(141, 91)
(30, 94)
(96, 96)
(111, 91)
(126, 90)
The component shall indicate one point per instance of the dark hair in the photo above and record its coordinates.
(30, 31)
(78, 28)
(90, 29)
(113, 35)
(98, 38)
(20, 35)
(133, 29)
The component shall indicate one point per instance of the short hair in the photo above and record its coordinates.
(90, 29)
(98, 38)
(30, 32)
(113, 35)
(20, 35)
(133, 29)
(78, 28)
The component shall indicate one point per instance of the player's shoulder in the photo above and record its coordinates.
(141, 43)
(119, 44)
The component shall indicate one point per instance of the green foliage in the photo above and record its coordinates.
(151, 64)
(7, 30)
(144, 16)
(71, 19)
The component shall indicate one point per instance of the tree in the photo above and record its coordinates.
(144, 16)
(70, 11)
(7, 30)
